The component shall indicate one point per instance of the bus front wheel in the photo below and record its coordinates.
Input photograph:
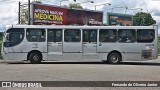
(114, 58)
(35, 58)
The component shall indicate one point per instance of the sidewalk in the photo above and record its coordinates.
(11, 61)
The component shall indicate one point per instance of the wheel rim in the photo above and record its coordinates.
(114, 58)
(35, 57)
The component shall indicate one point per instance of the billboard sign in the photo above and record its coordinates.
(48, 15)
(119, 19)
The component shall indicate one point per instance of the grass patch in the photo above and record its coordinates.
(0, 49)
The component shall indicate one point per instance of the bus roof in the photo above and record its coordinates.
(80, 27)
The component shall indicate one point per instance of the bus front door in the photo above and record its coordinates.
(90, 45)
(55, 44)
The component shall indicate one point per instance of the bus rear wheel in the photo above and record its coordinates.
(35, 58)
(114, 58)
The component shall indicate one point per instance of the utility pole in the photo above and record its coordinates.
(19, 12)
(22, 15)
(29, 18)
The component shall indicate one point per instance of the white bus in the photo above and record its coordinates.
(80, 43)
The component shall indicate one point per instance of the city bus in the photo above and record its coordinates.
(112, 44)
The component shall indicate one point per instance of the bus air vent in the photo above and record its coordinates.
(146, 54)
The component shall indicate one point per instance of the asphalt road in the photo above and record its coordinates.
(81, 71)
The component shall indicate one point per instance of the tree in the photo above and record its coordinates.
(74, 5)
(143, 19)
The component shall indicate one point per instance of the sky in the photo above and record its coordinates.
(9, 8)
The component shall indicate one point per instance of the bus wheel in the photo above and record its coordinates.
(35, 58)
(114, 58)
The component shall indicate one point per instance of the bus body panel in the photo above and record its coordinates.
(155, 42)
(55, 51)
(89, 51)
(81, 51)
(72, 51)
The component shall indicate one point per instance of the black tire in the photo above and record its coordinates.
(114, 58)
(35, 58)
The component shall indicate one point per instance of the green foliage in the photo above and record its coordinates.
(143, 19)
(74, 5)
(158, 45)
(1, 38)
(0, 49)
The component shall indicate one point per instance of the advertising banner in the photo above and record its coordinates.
(48, 15)
(119, 19)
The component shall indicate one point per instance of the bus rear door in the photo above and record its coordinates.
(54, 44)
(72, 45)
(90, 45)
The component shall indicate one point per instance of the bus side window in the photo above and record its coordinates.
(89, 36)
(54, 35)
(108, 35)
(72, 35)
(50, 36)
(58, 36)
(126, 35)
(145, 35)
(36, 35)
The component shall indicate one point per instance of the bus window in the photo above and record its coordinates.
(14, 36)
(89, 35)
(36, 35)
(54, 35)
(51, 36)
(109, 35)
(145, 35)
(72, 35)
(126, 35)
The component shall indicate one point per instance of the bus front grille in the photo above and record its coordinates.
(146, 54)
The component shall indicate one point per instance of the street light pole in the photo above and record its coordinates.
(102, 4)
(29, 17)
(19, 12)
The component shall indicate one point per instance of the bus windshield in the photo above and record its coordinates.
(13, 37)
